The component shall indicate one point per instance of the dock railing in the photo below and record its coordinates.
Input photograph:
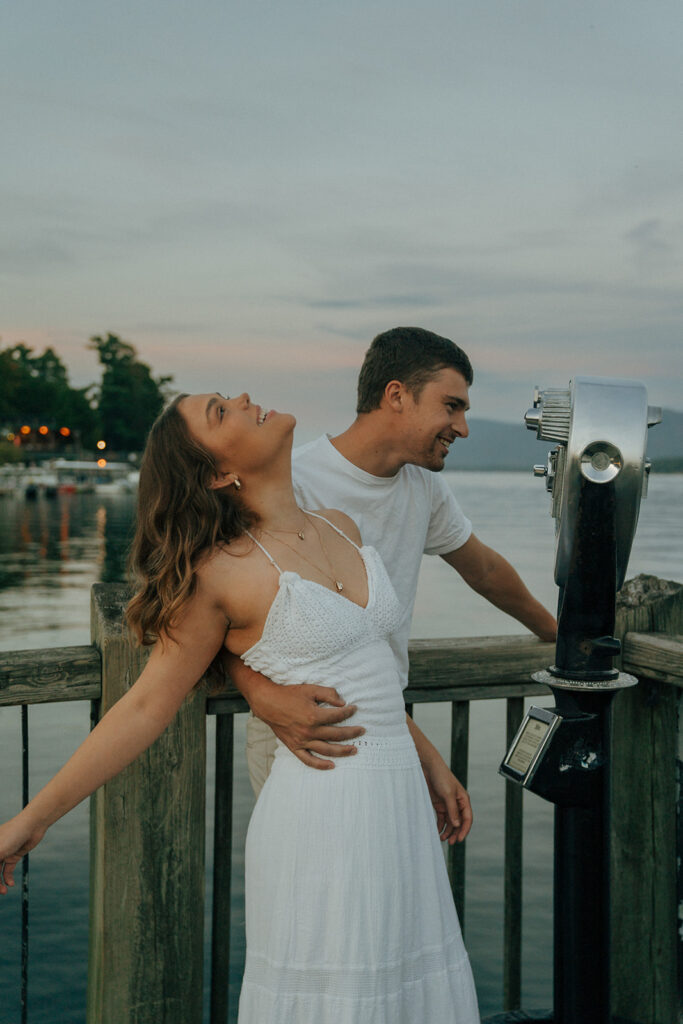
(148, 824)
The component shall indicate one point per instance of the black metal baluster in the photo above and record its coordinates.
(24, 871)
(222, 867)
(460, 739)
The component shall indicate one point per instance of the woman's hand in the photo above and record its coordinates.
(17, 837)
(451, 802)
(449, 797)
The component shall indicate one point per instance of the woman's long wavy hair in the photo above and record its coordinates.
(180, 518)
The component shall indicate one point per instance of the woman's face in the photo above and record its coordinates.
(241, 436)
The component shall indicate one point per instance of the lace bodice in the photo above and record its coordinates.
(316, 635)
(307, 623)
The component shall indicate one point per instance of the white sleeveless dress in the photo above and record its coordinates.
(349, 913)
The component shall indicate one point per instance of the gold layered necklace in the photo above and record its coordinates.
(337, 582)
(300, 533)
(295, 533)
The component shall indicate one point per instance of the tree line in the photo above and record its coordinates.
(35, 393)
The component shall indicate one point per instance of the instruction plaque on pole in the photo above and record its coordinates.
(529, 745)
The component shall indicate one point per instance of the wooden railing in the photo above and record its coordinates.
(148, 825)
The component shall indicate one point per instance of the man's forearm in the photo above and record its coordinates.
(504, 588)
(493, 577)
(254, 687)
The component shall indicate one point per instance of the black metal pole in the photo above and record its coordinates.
(582, 888)
(24, 870)
(585, 648)
(222, 867)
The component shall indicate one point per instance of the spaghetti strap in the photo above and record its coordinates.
(336, 528)
(265, 552)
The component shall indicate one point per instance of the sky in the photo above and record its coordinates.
(249, 191)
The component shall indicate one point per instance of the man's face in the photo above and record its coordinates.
(433, 421)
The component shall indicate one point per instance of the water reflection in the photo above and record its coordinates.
(51, 552)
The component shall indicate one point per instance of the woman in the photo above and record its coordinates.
(350, 919)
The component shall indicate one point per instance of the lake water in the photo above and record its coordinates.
(52, 552)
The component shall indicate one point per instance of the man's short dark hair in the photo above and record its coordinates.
(409, 354)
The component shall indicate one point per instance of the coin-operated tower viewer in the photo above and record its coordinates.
(596, 476)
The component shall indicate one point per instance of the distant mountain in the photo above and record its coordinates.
(495, 445)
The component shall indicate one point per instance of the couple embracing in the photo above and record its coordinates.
(307, 586)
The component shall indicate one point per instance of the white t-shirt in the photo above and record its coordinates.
(402, 516)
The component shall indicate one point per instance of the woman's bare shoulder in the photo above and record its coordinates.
(239, 579)
(342, 522)
(229, 568)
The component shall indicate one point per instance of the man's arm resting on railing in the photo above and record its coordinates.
(494, 578)
(296, 714)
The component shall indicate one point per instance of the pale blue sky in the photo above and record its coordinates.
(249, 191)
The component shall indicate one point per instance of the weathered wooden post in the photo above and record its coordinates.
(646, 724)
(147, 855)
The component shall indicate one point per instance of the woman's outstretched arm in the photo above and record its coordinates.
(127, 729)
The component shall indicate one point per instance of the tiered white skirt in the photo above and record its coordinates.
(350, 918)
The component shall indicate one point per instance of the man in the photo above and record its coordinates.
(383, 472)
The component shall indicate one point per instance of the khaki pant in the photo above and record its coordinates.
(261, 744)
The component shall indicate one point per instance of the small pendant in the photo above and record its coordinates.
(339, 585)
(300, 535)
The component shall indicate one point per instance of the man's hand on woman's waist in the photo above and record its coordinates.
(297, 715)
